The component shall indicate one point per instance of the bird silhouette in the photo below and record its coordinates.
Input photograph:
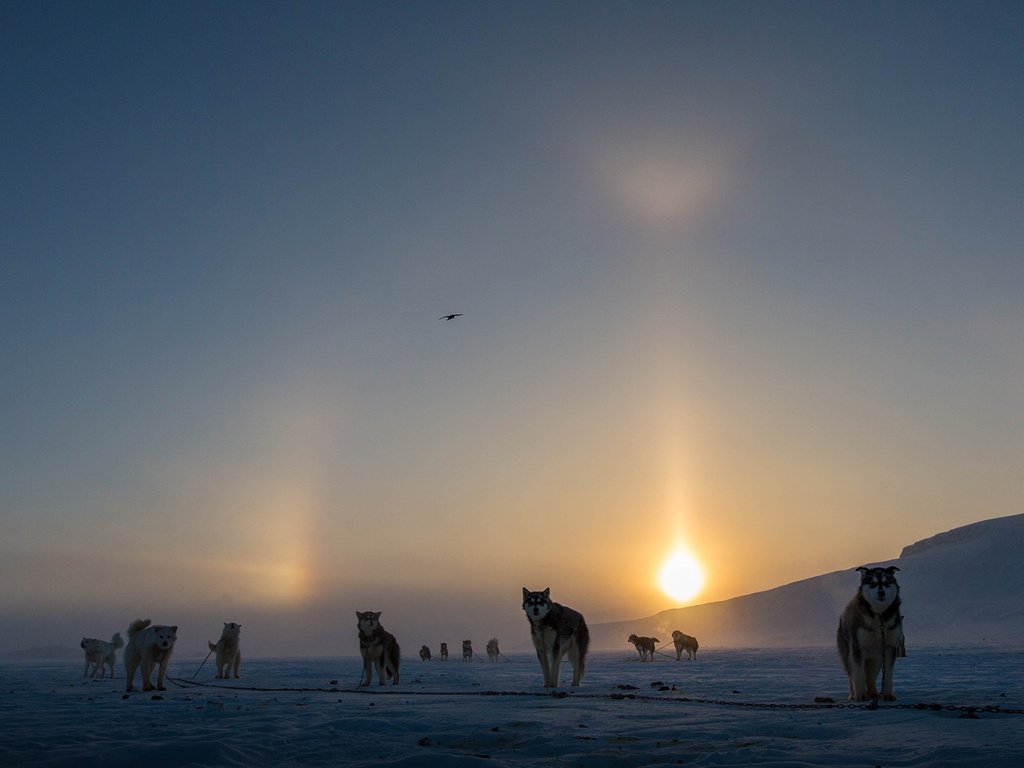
(451, 316)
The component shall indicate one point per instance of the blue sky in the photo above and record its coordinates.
(743, 278)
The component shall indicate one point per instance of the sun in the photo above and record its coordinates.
(681, 576)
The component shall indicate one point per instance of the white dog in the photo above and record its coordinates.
(91, 646)
(148, 646)
(100, 655)
(229, 654)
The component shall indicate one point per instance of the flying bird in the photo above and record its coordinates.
(451, 316)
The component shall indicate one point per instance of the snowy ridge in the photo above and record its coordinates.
(961, 587)
(1010, 526)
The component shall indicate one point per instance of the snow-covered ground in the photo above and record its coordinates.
(491, 715)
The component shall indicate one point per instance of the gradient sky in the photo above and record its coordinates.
(742, 277)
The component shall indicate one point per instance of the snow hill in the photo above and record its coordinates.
(961, 587)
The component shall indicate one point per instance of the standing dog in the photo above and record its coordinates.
(229, 655)
(378, 647)
(492, 649)
(467, 650)
(870, 634)
(556, 631)
(684, 642)
(644, 646)
(149, 646)
(444, 651)
(100, 654)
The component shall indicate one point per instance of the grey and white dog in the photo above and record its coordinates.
(556, 630)
(378, 647)
(870, 634)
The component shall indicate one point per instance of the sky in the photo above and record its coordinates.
(741, 279)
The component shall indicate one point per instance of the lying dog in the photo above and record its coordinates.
(870, 634)
(378, 648)
(229, 654)
(684, 642)
(100, 655)
(148, 645)
(424, 653)
(645, 646)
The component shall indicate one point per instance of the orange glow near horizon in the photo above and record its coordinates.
(681, 576)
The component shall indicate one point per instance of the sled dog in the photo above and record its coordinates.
(870, 634)
(148, 645)
(684, 642)
(378, 648)
(467, 650)
(100, 654)
(492, 649)
(644, 646)
(556, 630)
(424, 653)
(229, 654)
(444, 651)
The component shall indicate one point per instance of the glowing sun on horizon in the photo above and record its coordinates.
(681, 576)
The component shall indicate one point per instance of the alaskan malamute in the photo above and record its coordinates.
(870, 634)
(377, 647)
(556, 630)
(645, 646)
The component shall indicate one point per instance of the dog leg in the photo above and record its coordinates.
(162, 671)
(872, 666)
(147, 675)
(888, 666)
(557, 652)
(542, 657)
(577, 664)
(367, 671)
(238, 663)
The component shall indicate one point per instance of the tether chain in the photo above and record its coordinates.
(969, 711)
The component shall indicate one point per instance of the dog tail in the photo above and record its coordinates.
(137, 626)
(213, 646)
(116, 640)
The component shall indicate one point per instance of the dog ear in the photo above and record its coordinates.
(526, 593)
(546, 592)
(863, 568)
(174, 629)
(892, 569)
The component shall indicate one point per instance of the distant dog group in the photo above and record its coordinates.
(869, 639)
(648, 646)
(149, 647)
